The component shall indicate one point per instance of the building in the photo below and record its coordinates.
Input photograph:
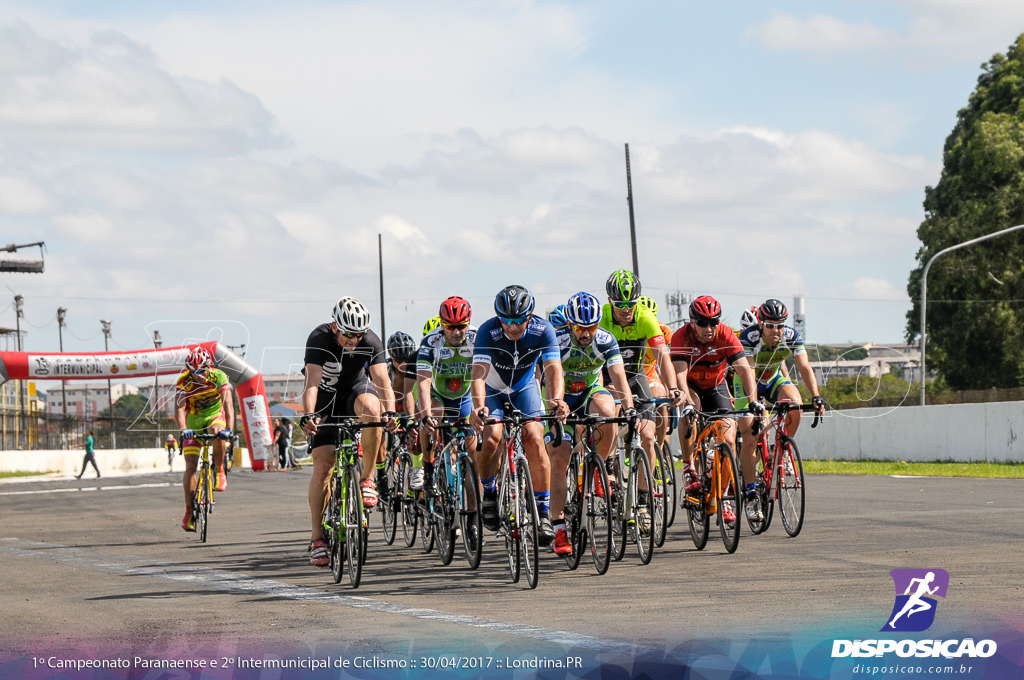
(84, 400)
(284, 387)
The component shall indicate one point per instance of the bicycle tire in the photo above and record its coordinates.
(390, 501)
(659, 505)
(672, 494)
(728, 480)
(506, 517)
(442, 512)
(354, 527)
(407, 498)
(640, 472)
(205, 495)
(791, 488)
(759, 526)
(529, 522)
(332, 530)
(469, 512)
(598, 512)
(619, 525)
(696, 503)
(573, 516)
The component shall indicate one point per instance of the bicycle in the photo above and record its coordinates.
(455, 503)
(345, 521)
(202, 497)
(588, 504)
(629, 463)
(780, 472)
(517, 506)
(665, 495)
(393, 490)
(719, 480)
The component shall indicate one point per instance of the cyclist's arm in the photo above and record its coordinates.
(181, 410)
(554, 384)
(665, 369)
(620, 384)
(682, 368)
(478, 388)
(803, 366)
(746, 374)
(310, 390)
(228, 405)
(381, 380)
(426, 381)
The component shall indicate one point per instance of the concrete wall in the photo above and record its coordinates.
(990, 432)
(111, 461)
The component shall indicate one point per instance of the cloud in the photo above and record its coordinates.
(21, 196)
(818, 33)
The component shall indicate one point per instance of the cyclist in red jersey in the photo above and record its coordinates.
(702, 351)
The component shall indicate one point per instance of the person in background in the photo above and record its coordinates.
(89, 457)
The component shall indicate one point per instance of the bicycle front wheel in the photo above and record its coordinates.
(332, 530)
(617, 486)
(759, 526)
(529, 522)
(508, 508)
(597, 503)
(205, 498)
(354, 528)
(696, 504)
(390, 502)
(671, 489)
(469, 511)
(791, 487)
(442, 514)
(407, 499)
(728, 485)
(660, 494)
(574, 494)
(642, 527)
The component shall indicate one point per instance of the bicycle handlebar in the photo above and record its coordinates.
(517, 418)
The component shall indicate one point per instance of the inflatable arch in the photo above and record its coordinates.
(247, 381)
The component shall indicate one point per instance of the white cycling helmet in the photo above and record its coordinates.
(748, 318)
(351, 316)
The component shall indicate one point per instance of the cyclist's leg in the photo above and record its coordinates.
(646, 428)
(190, 448)
(559, 459)
(364, 403)
(488, 462)
(321, 447)
(787, 390)
(659, 391)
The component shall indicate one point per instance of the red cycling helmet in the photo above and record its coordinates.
(198, 359)
(705, 307)
(455, 311)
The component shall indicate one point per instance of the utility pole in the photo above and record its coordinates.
(110, 392)
(380, 268)
(632, 223)
(157, 343)
(680, 302)
(22, 397)
(61, 311)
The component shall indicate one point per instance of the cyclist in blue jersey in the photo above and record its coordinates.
(508, 349)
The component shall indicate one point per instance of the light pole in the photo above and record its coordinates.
(157, 343)
(924, 286)
(110, 394)
(61, 311)
(22, 419)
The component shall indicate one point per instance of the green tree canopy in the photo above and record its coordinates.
(976, 294)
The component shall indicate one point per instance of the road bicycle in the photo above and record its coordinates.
(588, 500)
(345, 521)
(393, 489)
(780, 472)
(517, 506)
(718, 474)
(665, 495)
(202, 497)
(629, 474)
(454, 506)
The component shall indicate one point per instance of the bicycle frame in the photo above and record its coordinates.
(202, 497)
(456, 476)
(776, 460)
(719, 485)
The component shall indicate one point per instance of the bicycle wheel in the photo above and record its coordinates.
(598, 508)
(696, 507)
(759, 526)
(205, 495)
(671, 489)
(423, 514)
(469, 511)
(729, 496)
(791, 487)
(529, 522)
(640, 477)
(574, 509)
(390, 503)
(617, 487)
(354, 527)
(659, 505)
(407, 499)
(442, 513)
(332, 530)
(507, 510)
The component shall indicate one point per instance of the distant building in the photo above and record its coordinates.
(85, 400)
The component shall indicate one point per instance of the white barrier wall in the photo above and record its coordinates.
(991, 432)
(113, 461)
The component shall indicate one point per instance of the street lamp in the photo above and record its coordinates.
(157, 343)
(61, 311)
(110, 392)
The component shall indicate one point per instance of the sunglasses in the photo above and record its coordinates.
(584, 329)
(456, 326)
(706, 323)
(351, 335)
(629, 304)
(199, 371)
(513, 321)
(765, 324)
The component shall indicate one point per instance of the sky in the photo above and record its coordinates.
(222, 170)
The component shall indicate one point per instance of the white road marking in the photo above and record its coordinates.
(117, 487)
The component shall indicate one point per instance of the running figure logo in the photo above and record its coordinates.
(914, 609)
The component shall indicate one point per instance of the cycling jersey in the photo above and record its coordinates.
(451, 367)
(707, 362)
(512, 362)
(651, 359)
(581, 366)
(203, 394)
(768, 360)
(343, 369)
(634, 338)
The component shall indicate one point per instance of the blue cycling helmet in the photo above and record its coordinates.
(514, 302)
(583, 309)
(557, 316)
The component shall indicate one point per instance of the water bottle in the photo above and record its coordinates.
(710, 459)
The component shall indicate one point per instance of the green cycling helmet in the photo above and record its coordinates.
(623, 286)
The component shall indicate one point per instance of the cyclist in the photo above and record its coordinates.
(771, 342)
(433, 323)
(586, 349)
(346, 376)
(556, 317)
(171, 444)
(636, 330)
(508, 348)
(444, 370)
(402, 350)
(702, 351)
(658, 389)
(202, 404)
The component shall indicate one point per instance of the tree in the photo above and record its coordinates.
(976, 294)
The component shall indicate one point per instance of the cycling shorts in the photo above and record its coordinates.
(344, 407)
(715, 399)
(452, 407)
(770, 390)
(526, 399)
(579, 405)
(190, 446)
(639, 386)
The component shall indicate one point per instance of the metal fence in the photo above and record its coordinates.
(23, 431)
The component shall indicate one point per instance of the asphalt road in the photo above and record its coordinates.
(103, 565)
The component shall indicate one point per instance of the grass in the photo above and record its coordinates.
(935, 469)
(22, 473)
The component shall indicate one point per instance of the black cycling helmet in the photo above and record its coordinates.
(514, 302)
(772, 310)
(623, 286)
(402, 347)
